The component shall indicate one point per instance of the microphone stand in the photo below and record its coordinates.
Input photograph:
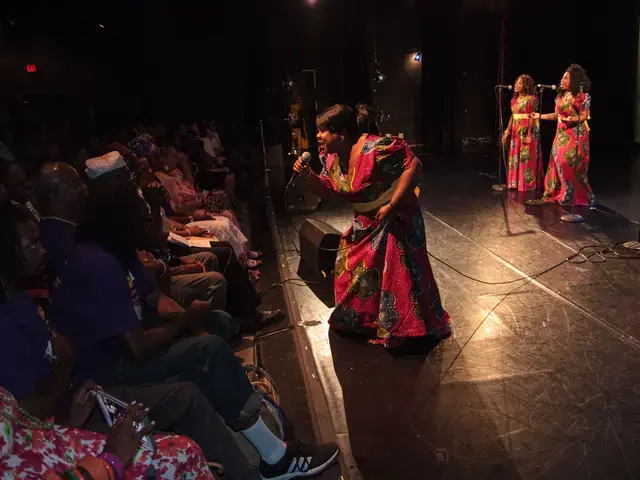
(265, 162)
(537, 202)
(539, 172)
(573, 217)
(500, 187)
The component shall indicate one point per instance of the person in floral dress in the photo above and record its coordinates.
(384, 285)
(525, 155)
(33, 449)
(566, 180)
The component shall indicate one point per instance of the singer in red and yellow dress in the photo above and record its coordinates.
(566, 180)
(384, 285)
(525, 154)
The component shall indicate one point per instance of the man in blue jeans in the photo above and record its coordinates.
(95, 302)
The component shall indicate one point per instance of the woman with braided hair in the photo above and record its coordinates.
(566, 181)
(524, 167)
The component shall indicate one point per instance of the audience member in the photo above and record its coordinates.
(14, 180)
(43, 363)
(98, 308)
(39, 449)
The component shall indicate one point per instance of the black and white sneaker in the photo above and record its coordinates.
(301, 461)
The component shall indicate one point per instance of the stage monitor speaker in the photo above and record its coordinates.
(316, 236)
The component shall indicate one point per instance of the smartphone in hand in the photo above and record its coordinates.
(113, 409)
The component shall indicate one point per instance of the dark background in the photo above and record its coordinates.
(228, 61)
(461, 65)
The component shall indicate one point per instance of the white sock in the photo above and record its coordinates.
(270, 447)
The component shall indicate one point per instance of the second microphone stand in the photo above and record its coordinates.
(539, 170)
(500, 187)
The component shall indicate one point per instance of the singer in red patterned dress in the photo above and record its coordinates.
(566, 180)
(384, 285)
(525, 155)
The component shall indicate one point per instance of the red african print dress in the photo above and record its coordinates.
(525, 153)
(384, 286)
(566, 180)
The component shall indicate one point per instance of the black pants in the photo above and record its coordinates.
(209, 363)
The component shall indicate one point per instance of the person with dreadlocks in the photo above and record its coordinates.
(524, 168)
(566, 180)
(35, 379)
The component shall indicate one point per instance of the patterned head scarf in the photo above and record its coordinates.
(143, 145)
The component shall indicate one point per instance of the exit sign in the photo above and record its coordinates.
(31, 68)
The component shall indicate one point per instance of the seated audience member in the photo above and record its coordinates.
(14, 180)
(216, 173)
(99, 309)
(184, 197)
(34, 448)
(242, 298)
(193, 280)
(188, 280)
(211, 141)
(217, 226)
(231, 158)
(39, 382)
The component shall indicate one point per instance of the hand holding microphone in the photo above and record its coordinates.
(301, 167)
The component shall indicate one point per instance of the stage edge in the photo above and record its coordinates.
(321, 418)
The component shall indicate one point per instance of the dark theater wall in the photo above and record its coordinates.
(461, 43)
(545, 40)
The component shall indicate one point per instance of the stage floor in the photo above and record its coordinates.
(540, 378)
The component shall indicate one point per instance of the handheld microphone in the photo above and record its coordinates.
(508, 87)
(306, 160)
(541, 86)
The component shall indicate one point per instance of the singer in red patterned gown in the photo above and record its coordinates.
(566, 180)
(384, 285)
